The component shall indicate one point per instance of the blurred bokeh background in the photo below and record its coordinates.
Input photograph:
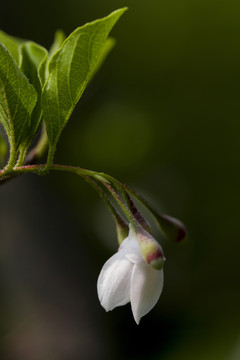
(162, 115)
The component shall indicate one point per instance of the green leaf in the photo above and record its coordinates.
(12, 44)
(33, 58)
(69, 72)
(17, 100)
(59, 38)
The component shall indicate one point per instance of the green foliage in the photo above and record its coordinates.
(17, 100)
(59, 38)
(69, 72)
(33, 59)
(12, 44)
(36, 84)
(57, 43)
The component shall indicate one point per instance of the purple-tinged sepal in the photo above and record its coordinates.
(172, 228)
(150, 249)
(138, 216)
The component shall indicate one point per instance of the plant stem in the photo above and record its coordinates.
(50, 158)
(38, 169)
(122, 226)
(122, 205)
(11, 161)
(21, 157)
(41, 169)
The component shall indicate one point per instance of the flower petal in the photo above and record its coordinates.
(113, 284)
(130, 248)
(145, 289)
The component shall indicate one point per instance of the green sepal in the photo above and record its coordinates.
(122, 228)
(172, 228)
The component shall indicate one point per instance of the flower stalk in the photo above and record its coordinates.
(135, 273)
(122, 227)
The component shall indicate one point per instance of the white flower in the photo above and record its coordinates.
(126, 277)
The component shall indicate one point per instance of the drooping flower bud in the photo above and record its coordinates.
(126, 277)
(150, 249)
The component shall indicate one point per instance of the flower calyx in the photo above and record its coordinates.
(150, 249)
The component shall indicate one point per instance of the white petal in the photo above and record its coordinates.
(130, 248)
(145, 289)
(113, 284)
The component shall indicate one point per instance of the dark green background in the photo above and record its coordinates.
(162, 115)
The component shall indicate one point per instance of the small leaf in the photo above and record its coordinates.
(69, 72)
(59, 38)
(12, 44)
(17, 100)
(33, 57)
(57, 43)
